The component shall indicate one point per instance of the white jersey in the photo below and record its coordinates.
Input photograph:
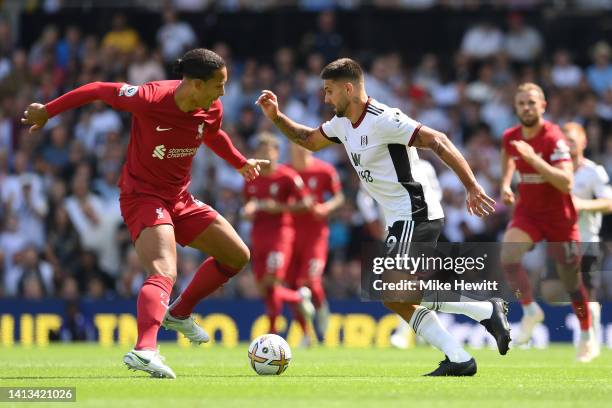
(590, 181)
(389, 168)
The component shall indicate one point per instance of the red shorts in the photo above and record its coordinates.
(188, 215)
(309, 259)
(543, 228)
(271, 258)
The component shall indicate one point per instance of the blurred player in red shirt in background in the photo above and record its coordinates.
(170, 121)
(270, 200)
(311, 243)
(538, 151)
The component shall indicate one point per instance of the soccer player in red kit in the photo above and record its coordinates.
(538, 151)
(270, 199)
(311, 243)
(170, 120)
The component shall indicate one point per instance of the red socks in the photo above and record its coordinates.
(151, 306)
(581, 307)
(274, 302)
(210, 276)
(318, 293)
(517, 278)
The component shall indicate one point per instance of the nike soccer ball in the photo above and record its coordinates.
(269, 354)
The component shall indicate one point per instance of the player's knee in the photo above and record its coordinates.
(511, 254)
(241, 258)
(165, 269)
(553, 292)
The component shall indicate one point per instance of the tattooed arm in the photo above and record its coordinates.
(311, 139)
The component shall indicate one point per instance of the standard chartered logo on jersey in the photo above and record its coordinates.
(161, 152)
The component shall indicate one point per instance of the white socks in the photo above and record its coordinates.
(425, 323)
(477, 310)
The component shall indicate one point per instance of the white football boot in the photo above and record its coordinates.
(306, 307)
(586, 349)
(150, 361)
(528, 323)
(595, 308)
(188, 327)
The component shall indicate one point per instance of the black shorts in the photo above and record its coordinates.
(402, 233)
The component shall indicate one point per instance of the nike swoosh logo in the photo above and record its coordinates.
(160, 129)
(142, 360)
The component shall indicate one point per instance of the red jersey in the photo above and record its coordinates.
(284, 185)
(163, 139)
(321, 181)
(536, 196)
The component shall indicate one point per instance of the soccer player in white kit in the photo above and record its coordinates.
(381, 142)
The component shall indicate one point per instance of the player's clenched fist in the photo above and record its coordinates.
(35, 115)
(269, 104)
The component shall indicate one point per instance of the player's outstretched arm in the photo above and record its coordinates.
(478, 202)
(220, 143)
(37, 114)
(311, 139)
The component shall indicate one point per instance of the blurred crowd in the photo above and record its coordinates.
(61, 230)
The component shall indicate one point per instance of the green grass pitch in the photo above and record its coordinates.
(318, 377)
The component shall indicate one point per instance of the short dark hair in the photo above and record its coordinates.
(343, 68)
(199, 63)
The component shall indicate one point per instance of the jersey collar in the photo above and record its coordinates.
(365, 109)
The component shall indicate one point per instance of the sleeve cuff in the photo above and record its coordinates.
(333, 139)
(414, 134)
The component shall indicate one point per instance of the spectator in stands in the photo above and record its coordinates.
(30, 277)
(121, 38)
(523, 43)
(482, 41)
(57, 153)
(326, 40)
(145, 67)
(69, 47)
(174, 37)
(600, 73)
(62, 244)
(96, 226)
(565, 74)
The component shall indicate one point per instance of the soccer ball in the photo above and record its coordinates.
(269, 354)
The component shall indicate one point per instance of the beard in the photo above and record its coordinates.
(531, 122)
(340, 109)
